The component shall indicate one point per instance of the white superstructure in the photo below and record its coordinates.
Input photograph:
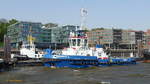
(78, 46)
(78, 42)
(29, 50)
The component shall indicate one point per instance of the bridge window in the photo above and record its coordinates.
(85, 42)
(74, 42)
(28, 47)
(78, 42)
(70, 43)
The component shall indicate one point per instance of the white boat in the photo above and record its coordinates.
(28, 50)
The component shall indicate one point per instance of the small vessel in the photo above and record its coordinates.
(146, 56)
(28, 50)
(79, 55)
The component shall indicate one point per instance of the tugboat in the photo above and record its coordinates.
(28, 50)
(79, 55)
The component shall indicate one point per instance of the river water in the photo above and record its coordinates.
(132, 74)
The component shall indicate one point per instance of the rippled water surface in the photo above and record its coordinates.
(133, 74)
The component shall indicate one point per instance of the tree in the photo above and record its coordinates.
(12, 21)
(3, 28)
(51, 25)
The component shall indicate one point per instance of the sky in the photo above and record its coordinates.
(124, 14)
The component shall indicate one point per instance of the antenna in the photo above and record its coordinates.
(83, 18)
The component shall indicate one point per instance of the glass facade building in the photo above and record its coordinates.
(19, 32)
(60, 35)
(44, 36)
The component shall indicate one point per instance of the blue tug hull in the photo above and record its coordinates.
(71, 61)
